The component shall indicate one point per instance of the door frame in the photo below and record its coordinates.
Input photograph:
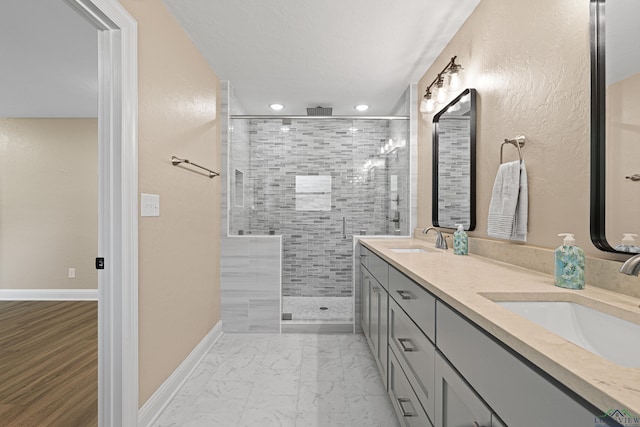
(118, 210)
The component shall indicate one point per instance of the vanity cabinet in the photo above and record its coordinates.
(415, 354)
(374, 306)
(456, 402)
(445, 371)
(515, 390)
(365, 304)
(404, 399)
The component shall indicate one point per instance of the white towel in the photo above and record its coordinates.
(509, 203)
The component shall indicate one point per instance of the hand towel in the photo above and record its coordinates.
(521, 217)
(509, 203)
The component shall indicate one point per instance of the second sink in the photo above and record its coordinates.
(615, 339)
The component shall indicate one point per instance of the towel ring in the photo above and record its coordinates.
(518, 142)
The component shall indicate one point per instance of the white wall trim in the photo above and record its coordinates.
(118, 210)
(48, 295)
(151, 410)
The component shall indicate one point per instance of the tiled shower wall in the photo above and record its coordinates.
(343, 185)
(249, 265)
(399, 167)
(454, 198)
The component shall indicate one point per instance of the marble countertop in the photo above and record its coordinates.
(467, 282)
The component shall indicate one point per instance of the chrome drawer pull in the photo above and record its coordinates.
(402, 294)
(376, 290)
(404, 347)
(401, 402)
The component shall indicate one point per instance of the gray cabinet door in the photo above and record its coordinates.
(457, 405)
(415, 353)
(378, 326)
(365, 301)
(374, 315)
(404, 400)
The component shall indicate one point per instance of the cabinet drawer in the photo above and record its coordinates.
(419, 304)
(378, 269)
(404, 400)
(364, 255)
(521, 396)
(456, 403)
(415, 353)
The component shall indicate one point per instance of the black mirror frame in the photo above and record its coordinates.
(598, 127)
(472, 160)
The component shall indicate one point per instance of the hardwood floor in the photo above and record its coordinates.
(48, 363)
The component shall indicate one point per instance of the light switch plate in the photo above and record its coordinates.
(149, 204)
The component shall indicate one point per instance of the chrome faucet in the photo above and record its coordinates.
(631, 266)
(441, 242)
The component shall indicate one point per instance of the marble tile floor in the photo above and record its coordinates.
(283, 380)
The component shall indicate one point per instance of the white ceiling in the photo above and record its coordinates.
(333, 53)
(301, 53)
(49, 60)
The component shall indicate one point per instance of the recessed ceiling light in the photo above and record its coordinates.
(361, 107)
(276, 107)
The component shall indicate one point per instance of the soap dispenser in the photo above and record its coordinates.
(569, 269)
(460, 241)
(628, 243)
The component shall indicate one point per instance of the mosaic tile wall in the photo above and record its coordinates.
(317, 258)
(453, 172)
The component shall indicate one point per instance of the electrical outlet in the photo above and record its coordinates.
(72, 273)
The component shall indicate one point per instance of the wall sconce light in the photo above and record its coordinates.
(438, 90)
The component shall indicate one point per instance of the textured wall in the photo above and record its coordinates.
(48, 203)
(529, 62)
(179, 251)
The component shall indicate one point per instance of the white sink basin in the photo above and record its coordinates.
(411, 250)
(615, 339)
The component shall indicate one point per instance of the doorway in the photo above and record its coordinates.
(116, 202)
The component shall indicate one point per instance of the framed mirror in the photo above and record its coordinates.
(615, 122)
(454, 163)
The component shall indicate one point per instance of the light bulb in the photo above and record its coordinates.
(454, 81)
(424, 105)
(442, 95)
(430, 105)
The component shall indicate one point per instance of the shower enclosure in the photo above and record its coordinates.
(317, 183)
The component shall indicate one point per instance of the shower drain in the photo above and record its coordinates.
(324, 308)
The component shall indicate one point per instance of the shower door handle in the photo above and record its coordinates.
(344, 227)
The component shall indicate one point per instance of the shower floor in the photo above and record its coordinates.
(307, 309)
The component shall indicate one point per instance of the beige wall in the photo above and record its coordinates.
(179, 289)
(48, 203)
(529, 61)
(623, 127)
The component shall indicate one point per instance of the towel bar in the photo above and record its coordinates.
(175, 161)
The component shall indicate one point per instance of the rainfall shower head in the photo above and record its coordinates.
(320, 111)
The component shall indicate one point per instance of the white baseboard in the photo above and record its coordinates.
(48, 295)
(151, 410)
